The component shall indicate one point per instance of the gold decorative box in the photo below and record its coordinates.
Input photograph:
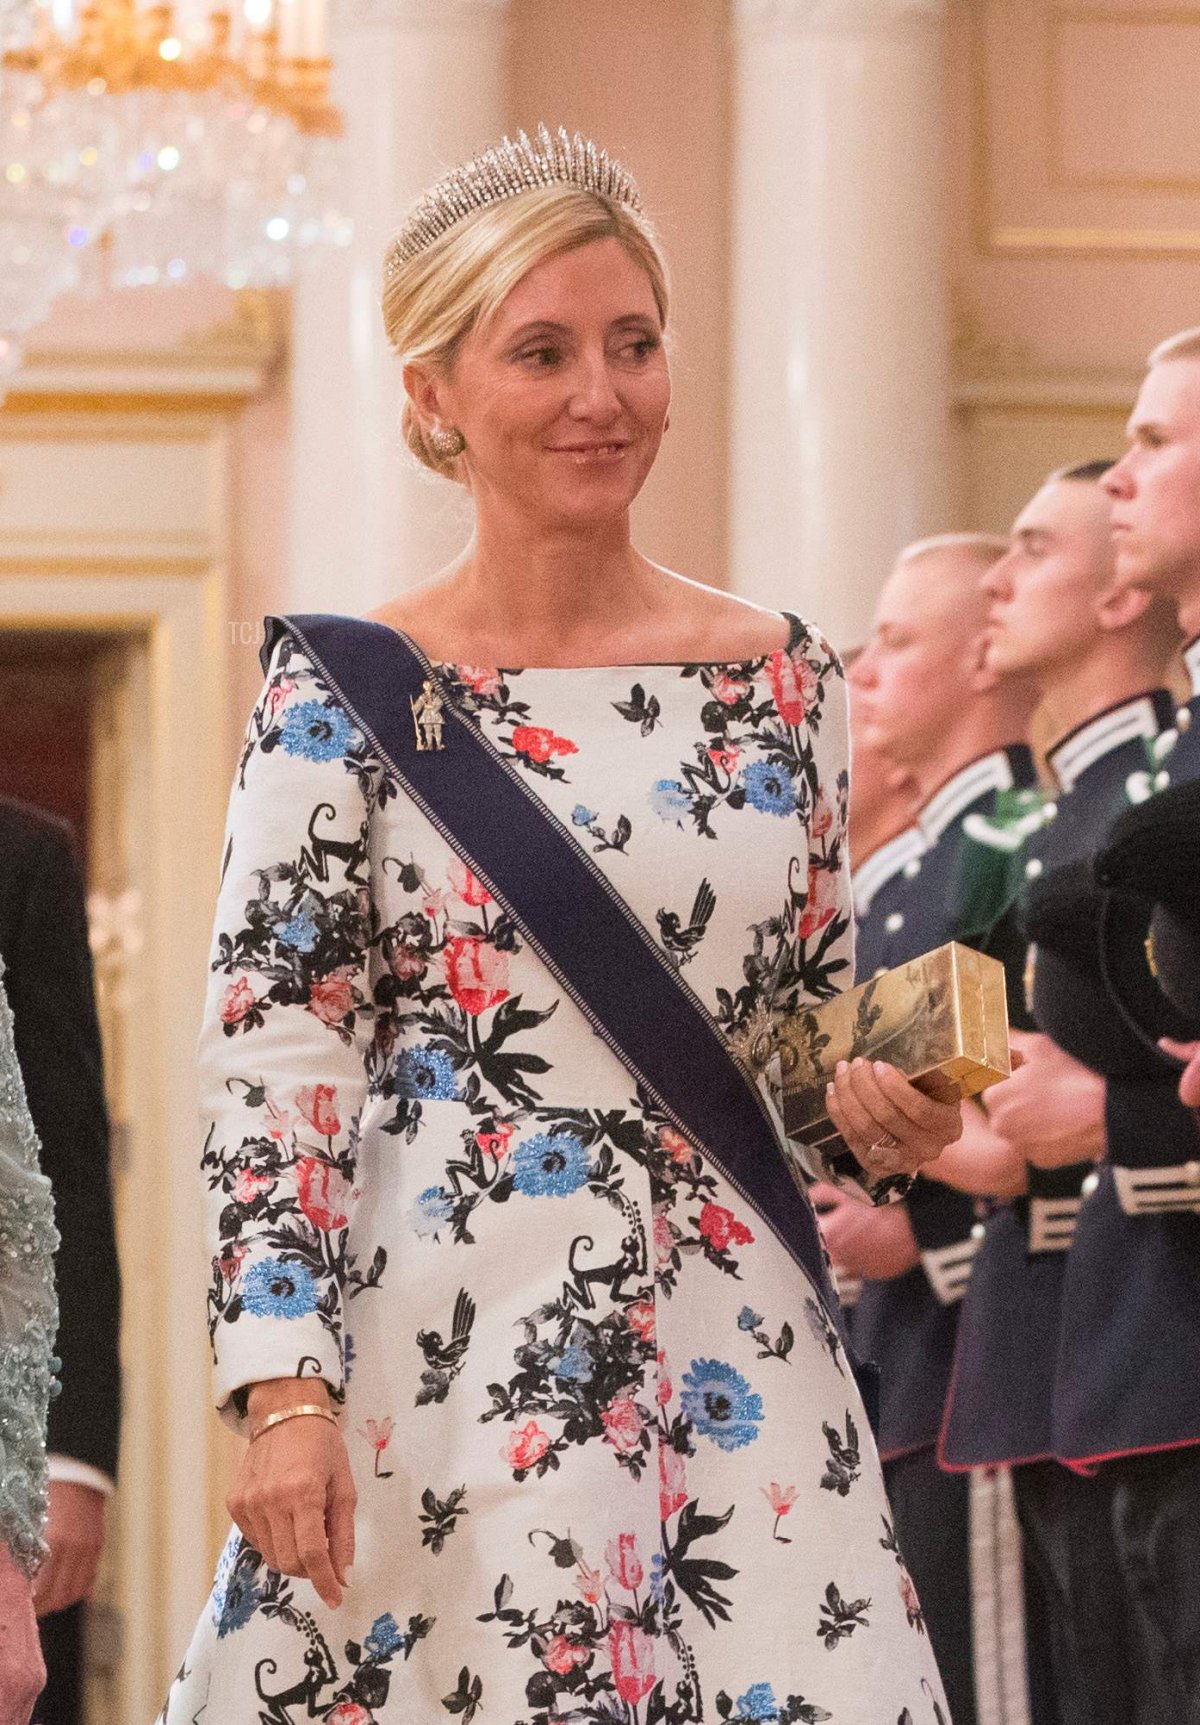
(942, 1019)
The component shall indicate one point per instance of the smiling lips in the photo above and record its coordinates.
(591, 451)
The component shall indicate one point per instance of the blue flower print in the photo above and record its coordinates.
(300, 932)
(225, 1563)
(426, 1075)
(721, 1405)
(242, 1600)
(657, 1585)
(349, 1356)
(748, 1318)
(575, 1364)
(384, 1637)
(758, 1703)
(582, 816)
(550, 1167)
(317, 732)
(273, 1289)
(669, 800)
(432, 1210)
(769, 788)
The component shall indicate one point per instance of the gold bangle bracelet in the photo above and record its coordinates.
(301, 1408)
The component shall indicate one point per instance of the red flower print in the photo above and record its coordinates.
(434, 903)
(331, 997)
(467, 887)
(406, 963)
(641, 1319)
(525, 1448)
(721, 1228)
(324, 1193)
(623, 1424)
(562, 1655)
(781, 1498)
(624, 1562)
(676, 1145)
(822, 818)
(726, 758)
(278, 693)
(672, 1481)
(248, 1186)
(821, 905)
(482, 678)
(379, 1435)
(590, 1583)
(538, 744)
(279, 1121)
(477, 973)
(664, 1239)
(318, 1104)
(664, 1380)
(908, 1595)
(349, 1713)
(794, 686)
(230, 1262)
(729, 690)
(237, 1000)
(631, 1652)
(496, 1142)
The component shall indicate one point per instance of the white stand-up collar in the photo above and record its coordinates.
(990, 773)
(1191, 658)
(884, 865)
(1088, 743)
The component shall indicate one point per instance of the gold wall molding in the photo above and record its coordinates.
(1029, 195)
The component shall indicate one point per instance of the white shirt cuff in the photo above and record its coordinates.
(65, 1467)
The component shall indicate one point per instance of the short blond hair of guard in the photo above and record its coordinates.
(459, 282)
(1185, 345)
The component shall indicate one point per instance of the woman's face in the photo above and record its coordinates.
(563, 397)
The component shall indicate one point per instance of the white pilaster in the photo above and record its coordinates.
(421, 83)
(840, 366)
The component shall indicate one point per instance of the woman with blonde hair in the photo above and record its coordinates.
(513, 1293)
(28, 1318)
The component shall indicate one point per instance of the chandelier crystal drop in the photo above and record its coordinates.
(176, 141)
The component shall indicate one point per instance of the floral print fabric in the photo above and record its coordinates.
(611, 1461)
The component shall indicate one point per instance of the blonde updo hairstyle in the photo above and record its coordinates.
(433, 301)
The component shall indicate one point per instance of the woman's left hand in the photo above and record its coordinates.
(888, 1123)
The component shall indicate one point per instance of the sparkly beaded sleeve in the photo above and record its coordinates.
(28, 1312)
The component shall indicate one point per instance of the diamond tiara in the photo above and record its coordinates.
(512, 166)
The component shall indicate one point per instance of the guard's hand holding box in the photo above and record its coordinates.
(941, 1020)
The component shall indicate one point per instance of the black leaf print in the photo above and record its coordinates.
(821, 1326)
(638, 710)
(840, 1617)
(444, 1360)
(696, 1575)
(467, 1698)
(843, 1466)
(441, 1518)
(680, 939)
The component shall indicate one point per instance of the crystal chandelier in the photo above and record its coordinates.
(189, 139)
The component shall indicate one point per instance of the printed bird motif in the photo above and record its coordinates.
(682, 941)
(444, 1360)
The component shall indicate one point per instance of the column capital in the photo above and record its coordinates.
(438, 14)
(788, 18)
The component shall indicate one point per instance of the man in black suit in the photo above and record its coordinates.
(44, 944)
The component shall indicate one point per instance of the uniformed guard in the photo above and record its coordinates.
(927, 699)
(1096, 655)
(1127, 1384)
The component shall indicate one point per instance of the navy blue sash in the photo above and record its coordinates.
(570, 914)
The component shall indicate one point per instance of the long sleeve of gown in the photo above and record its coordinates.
(818, 953)
(287, 1026)
(28, 1313)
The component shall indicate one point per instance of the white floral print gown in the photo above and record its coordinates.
(611, 1461)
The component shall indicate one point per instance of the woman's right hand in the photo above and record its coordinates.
(294, 1498)
(22, 1673)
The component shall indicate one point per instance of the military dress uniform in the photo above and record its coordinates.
(1127, 1379)
(1001, 1399)
(907, 1325)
